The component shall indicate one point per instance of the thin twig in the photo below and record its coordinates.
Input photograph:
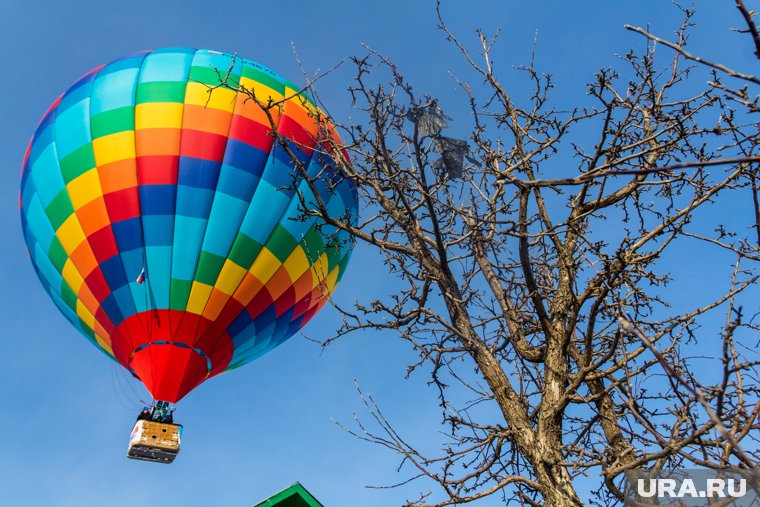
(686, 54)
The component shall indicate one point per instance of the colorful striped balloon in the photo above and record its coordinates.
(167, 222)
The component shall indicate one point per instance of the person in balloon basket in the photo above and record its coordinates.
(159, 413)
(145, 415)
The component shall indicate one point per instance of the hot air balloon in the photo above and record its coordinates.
(165, 217)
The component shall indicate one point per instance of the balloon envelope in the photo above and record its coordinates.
(167, 222)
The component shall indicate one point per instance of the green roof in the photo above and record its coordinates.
(294, 496)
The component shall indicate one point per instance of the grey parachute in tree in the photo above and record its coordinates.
(453, 152)
(430, 119)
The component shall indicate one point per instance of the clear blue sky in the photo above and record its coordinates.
(67, 410)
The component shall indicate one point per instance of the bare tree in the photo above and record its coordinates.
(548, 297)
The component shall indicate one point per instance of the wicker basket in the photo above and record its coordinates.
(154, 441)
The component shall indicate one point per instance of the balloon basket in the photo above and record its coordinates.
(154, 441)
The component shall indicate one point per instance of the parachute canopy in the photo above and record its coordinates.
(166, 220)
